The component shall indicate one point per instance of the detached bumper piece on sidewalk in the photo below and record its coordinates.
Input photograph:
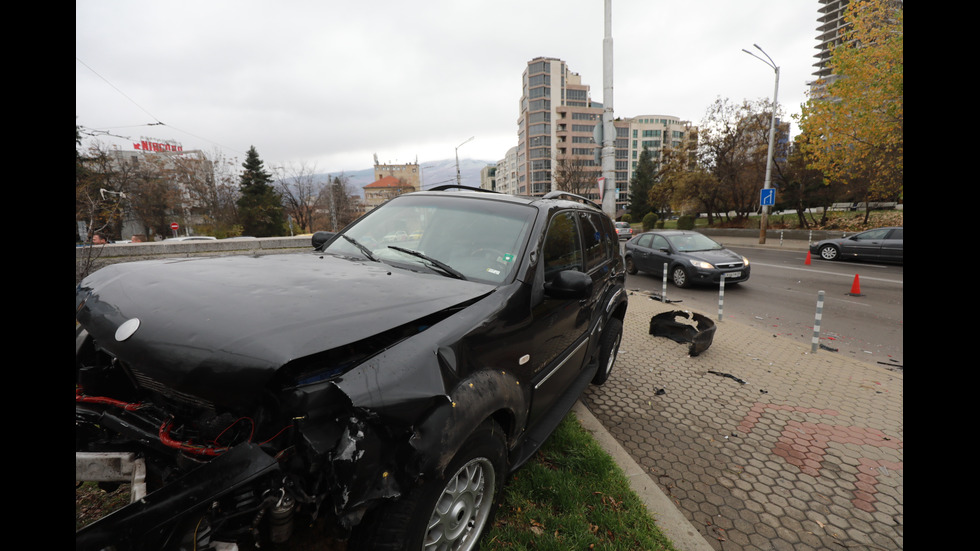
(699, 335)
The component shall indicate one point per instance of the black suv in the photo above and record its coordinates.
(388, 381)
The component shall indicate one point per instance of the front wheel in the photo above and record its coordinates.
(630, 266)
(447, 513)
(829, 252)
(679, 277)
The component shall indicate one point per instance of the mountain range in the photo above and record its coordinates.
(434, 173)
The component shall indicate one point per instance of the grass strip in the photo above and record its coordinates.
(572, 495)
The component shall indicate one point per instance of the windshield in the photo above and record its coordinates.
(690, 242)
(464, 238)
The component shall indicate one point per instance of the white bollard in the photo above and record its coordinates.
(664, 293)
(721, 296)
(816, 323)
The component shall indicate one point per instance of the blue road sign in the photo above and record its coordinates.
(767, 197)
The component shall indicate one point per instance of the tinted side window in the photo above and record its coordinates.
(594, 238)
(872, 234)
(610, 239)
(562, 246)
(644, 241)
(660, 242)
(896, 234)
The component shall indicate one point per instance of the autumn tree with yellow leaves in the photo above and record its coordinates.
(852, 130)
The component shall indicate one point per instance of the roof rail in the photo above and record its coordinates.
(570, 197)
(456, 186)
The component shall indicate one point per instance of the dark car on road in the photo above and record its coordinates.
(690, 258)
(881, 244)
(389, 387)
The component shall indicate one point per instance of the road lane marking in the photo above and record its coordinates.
(898, 281)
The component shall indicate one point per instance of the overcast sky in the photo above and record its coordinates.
(329, 83)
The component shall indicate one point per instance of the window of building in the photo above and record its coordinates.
(539, 67)
(539, 80)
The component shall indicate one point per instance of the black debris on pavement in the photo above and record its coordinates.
(730, 376)
(699, 335)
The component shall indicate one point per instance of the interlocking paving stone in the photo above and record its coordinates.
(807, 454)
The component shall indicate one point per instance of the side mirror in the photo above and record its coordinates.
(321, 237)
(569, 284)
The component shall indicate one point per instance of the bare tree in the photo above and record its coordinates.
(102, 190)
(155, 197)
(301, 192)
(340, 202)
(733, 144)
(574, 175)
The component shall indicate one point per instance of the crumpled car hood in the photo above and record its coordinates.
(223, 325)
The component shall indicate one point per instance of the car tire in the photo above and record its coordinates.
(829, 252)
(680, 277)
(450, 511)
(608, 350)
(631, 266)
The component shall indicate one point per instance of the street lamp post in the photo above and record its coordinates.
(457, 158)
(772, 136)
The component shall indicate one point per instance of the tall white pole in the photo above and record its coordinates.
(608, 127)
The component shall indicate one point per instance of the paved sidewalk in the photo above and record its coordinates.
(757, 442)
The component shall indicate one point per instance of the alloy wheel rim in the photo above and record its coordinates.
(462, 509)
(612, 355)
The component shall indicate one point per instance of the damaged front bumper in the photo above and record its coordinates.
(335, 461)
(154, 520)
(698, 335)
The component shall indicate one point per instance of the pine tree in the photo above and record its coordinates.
(260, 205)
(643, 180)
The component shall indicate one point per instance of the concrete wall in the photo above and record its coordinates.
(88, 259)
(802, 235)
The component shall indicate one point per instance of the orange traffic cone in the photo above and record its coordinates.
(856, 287)
(807, 258)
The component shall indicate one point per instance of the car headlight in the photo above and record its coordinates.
(702, 265)
(745, 260)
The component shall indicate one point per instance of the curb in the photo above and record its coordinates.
(668, 518)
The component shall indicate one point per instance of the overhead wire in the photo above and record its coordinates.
(154, 117)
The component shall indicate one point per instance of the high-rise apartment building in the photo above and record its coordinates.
(656, 133)
(830, 24)
(556, 131)
(557, 143)
(830, 27)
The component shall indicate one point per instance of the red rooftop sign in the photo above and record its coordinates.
(147, 144)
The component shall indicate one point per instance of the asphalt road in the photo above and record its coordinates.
(781, 297)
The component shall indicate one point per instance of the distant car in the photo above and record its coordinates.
(691, 258)
(193, 238)
(884, 244)
(397, 236)
(623, 230)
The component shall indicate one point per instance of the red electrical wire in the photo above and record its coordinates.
(164, 431)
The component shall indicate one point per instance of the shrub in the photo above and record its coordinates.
(627, 218)
(685, 222)
(649, 221)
